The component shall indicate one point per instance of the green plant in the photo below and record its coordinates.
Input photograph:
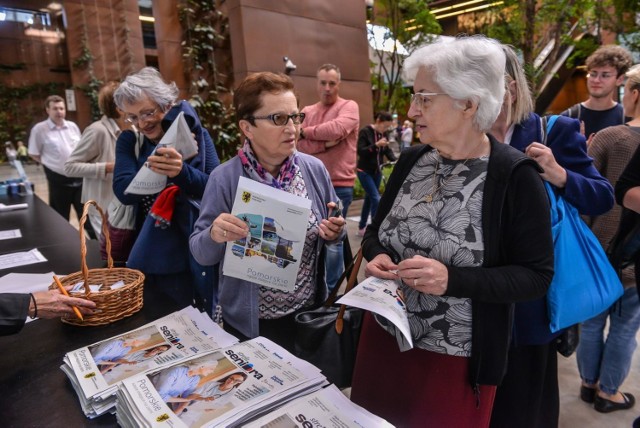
(358, 191)
(85, 62)
(20, 108)
(205, 41)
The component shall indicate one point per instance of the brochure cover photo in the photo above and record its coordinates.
(270, 254)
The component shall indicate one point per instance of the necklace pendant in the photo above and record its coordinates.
(428, 198)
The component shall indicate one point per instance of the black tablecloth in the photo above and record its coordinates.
(34, 392)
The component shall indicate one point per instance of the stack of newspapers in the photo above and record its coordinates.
(96, 370)
(327, 407)
(220, 389)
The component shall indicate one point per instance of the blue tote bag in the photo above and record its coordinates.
(584, 283)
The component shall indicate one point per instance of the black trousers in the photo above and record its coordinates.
(528, 396)
(63, 193)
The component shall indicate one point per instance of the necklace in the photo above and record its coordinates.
(435, 187)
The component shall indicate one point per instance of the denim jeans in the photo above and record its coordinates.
(608, 361)
(370, 184)
(334, 260)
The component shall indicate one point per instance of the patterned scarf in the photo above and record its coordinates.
(255, 171)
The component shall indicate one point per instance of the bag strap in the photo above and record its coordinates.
(546, 124)
(353, 277)
(349, 270)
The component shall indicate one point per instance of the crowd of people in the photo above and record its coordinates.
(463, 223)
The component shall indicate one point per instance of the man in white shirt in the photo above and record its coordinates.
(50, 143)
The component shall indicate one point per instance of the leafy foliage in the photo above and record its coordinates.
(18, 111)
(410, 23)
(205, 39)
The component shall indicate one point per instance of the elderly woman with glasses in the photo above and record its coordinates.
(270, 120)
(161, 248)
(463, 228)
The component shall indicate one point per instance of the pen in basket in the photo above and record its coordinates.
(64, 291)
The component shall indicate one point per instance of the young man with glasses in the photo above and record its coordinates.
(606, 68)
(330, 133)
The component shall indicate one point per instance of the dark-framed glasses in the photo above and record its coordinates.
(421, 99)
(603, 76)
(281, 119)
(131, 118)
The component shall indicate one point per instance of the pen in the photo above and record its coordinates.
(64, 291)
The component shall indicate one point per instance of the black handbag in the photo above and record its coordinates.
(568, 341)
(327, 337)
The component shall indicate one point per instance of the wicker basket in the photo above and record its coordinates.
(112, 305)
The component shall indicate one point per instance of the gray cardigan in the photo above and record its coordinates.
(239, 299)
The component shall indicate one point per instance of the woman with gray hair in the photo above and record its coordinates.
(161, 250)
(464, 229)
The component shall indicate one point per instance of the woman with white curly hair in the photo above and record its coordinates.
(463, 226)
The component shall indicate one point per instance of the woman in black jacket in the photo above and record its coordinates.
(373, 147)
(464, 228)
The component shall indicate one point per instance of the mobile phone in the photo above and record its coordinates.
(336, 211)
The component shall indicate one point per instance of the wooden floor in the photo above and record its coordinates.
(573, 412)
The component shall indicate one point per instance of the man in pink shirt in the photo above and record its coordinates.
(330, 132)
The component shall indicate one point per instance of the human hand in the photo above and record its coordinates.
(166, 161)
(331, 227)
(381, 267)
(423, 274)
(329, 144)
(382, 142)
(227, 227)
(552, 171)
(108, 167)
(53, 304)
(590, 139)
(582, 127)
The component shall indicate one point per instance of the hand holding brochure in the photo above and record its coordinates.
(178, 136)
(384, 297)
(270, 254)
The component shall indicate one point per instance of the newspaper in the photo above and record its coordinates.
(178, 136)
(221, 389)
(270, 254)
(96, 370)
(328, 408)
(383, 297)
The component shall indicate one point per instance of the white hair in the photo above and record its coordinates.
(146, 83)
(465, 68)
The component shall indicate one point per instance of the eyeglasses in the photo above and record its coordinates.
(603, 76)
(281, 119)
(420, 99)
(142, 118)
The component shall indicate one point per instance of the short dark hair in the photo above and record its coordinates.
(247, 98)
(53, 99)
(383, 116)
(329, 67)
(610, 55)
(105, 100)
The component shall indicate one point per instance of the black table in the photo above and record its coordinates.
(34, 392)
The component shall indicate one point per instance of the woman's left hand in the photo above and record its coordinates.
(166, 161)
(426, 275)
(331, 228)
(553, 172)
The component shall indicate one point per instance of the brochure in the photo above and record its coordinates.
(270, 254)
(383, 297)
(147, 182)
